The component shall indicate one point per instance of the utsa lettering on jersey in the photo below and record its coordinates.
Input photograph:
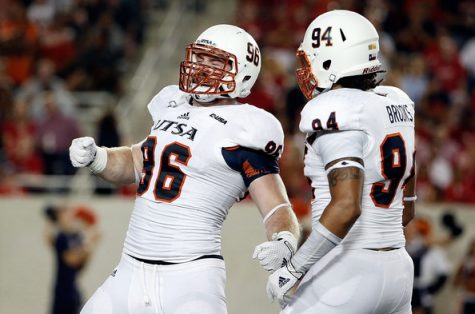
(205, 151)
(360, 156)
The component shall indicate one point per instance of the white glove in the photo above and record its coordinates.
(280, 282)
(274, 254)
(84, 152)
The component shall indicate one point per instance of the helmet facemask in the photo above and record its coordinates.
(307, 82)
(206, 81)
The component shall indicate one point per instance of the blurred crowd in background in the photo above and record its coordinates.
(52, 49)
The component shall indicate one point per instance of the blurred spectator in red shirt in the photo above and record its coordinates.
(18, 135)
(57, 43)
(248, 18)
(445, 66)
(6, 93)
(18, 41)
(462, 189)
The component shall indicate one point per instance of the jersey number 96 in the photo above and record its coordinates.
(170, 178)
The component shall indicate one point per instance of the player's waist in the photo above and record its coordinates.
(170, 250)
(383, 249)
(133, 263)
(160, 262)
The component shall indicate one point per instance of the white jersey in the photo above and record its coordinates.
(383, 122)
(187, 187)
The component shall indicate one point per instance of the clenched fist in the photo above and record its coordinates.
(274, 254)
(82, 151)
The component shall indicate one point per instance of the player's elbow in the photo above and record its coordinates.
(349, 210)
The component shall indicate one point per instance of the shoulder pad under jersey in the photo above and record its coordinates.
(393, 93)
(260, 130)
(169, 97)
(331, 111)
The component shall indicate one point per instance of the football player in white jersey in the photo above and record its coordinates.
(360, 161)
(204, 152)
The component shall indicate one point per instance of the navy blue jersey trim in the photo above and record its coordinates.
(250, 163)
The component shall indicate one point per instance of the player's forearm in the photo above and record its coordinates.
(346, 186)
(120, 166)
(283, 219)
(339, 216)
(335, 223)
(270, 196)
(409, 200)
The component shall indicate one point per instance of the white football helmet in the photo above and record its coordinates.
(336, 44)
(239, 60)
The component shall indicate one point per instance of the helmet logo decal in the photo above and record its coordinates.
(253, 55)
(371, 69)
(326, 36)
(206, 42)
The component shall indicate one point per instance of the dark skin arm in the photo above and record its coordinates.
(346, 186)
(409, 206)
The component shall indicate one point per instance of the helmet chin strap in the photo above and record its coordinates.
(209, 98)
(317, 91)
(204, 97)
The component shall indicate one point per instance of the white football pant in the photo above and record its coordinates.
(357, 281)
(188, 288)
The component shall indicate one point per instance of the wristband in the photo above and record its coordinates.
(318, 244)
(100, 161)
(345, 163)
(273, 210)
(410, 198)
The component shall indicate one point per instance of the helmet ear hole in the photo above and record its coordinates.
(246, 78)
(327, 64)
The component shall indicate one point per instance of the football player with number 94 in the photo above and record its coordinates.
(360, 161)
(204, 152)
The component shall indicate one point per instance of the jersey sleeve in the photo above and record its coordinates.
(161, 101)
(342, 144)
(251, 164)
(256, 146)
(261, 131)
(329, 112)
